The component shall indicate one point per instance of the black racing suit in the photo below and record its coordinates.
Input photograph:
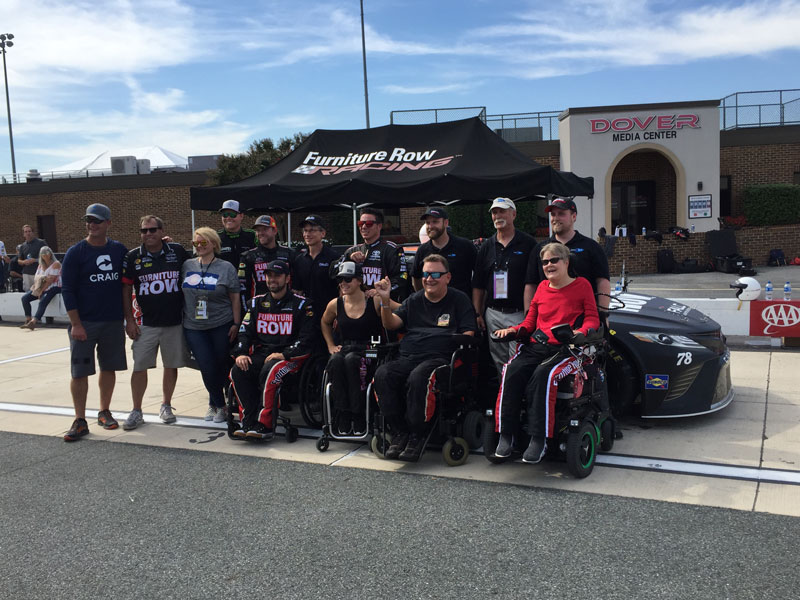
(235, 244)
(383, 259)
(252, 268)
(285, 326)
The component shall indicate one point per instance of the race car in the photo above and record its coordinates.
(667, 359)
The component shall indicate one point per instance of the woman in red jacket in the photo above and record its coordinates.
(559, 299)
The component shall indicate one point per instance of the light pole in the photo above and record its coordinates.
(364, 56)
(5, 42)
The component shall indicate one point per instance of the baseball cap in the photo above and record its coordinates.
(265, 221)
(504, 203)
(278, 266)
(99, 211)
(563, 203)
(314, 220)
(230, 205)
(434, 211)
(349, 269)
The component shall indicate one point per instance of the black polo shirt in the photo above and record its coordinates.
(311, 276)
(460, 254)
(156, 282)
(587, 260)
(493, 256)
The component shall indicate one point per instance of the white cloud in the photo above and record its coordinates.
(401, 89)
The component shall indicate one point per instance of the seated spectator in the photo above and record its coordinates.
(46, 284)
(15, 273)
(405, 387)
(349, 371)
(558, 299)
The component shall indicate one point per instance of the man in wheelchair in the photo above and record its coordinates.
(405, 387)
(275, 339)
(558, 299)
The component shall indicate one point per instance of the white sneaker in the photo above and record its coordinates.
(210, 413)
(135, 418)
(166, 414)
(221, 416)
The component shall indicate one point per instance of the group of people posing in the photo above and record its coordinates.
(251, 311)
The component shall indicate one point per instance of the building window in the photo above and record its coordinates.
(633, 205)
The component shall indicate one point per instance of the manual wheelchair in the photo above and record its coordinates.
(583, 421)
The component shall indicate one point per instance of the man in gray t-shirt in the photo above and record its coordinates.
(29, 256)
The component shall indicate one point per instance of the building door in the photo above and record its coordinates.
(725, 196)
(46, 228)
(633, 205)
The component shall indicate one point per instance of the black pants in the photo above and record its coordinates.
(349, 373)
(406, 391)
(523, 377)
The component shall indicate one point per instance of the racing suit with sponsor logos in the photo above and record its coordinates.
(155, 279)
(284, 325)
(252, 268)
(383, 259)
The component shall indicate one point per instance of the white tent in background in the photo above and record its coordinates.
(158, 157)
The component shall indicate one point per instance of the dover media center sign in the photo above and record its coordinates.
(649, 127)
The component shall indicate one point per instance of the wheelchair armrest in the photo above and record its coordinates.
(468, 341)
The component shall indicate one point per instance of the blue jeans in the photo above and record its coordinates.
(211, 350)
(44, 300)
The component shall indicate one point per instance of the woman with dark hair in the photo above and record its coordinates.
(46, 284)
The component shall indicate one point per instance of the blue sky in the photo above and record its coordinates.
(203, 77)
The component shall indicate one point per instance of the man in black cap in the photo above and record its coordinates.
(311, 269)
(275, 339)
(233, 237)
(459, 252)
(587, 257)
(253, 264)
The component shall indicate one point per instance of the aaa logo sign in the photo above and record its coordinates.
(775, 319)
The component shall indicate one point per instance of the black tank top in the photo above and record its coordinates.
(360, 330)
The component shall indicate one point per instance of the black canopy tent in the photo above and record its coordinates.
(395, 166)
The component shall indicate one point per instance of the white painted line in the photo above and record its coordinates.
(348, 455)
(9, 360)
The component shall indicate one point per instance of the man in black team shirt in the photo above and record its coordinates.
(152, 272)
(233, 237)
(459, 252)
(253, 264)
(405, 387)
(378, 258)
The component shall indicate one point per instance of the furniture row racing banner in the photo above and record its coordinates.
(396, 166)
(773, 318)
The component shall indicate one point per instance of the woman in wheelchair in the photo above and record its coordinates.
(559, 299)
(349, 371)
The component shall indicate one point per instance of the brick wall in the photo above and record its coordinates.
(755, 164)
(651, 166)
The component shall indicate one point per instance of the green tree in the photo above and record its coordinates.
(260, 155)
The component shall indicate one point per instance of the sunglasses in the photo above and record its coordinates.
(366, 223)
(550, 261)
(230, 215)
(200, 244)
(94, 220)
(346, 279)
(149, 229)
(433, 274)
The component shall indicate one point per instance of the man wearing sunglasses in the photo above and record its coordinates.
(587, 258)
(405, 387)
(378, 258)
(91, 275)
(253, 263)
(234, 238)
(151, 284)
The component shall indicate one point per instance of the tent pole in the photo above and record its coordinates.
(288, 229)
(355, 225)
(193, 227)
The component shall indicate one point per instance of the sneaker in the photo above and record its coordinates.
(535, 451)
(221, 416)
(79, 429)
(260, 433)
(399, 443)
(504, 446)
(414, 448)
(343, 422)
(211, 413)
(165, 414)
(135, 418)
(105, 419)
(359, 425)
(240, 434)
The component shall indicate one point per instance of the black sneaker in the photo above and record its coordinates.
(535, 452)
(79, 429)
(399, 442)
(414, 448)
(260, 433)
(107, 421)
(505, 445)
(344, 422)
(359, 425)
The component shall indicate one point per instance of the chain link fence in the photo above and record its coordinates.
(760, 109)
(436, 115)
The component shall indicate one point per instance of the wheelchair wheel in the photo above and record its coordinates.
(311, 403)
(473, 429)
(581, 450)
(233, 409)
(607, 432)
(292, 434)
(379, 444)
(322, 444)
(489, 441)
(455, 451)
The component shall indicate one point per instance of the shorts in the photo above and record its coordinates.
(169, 339)
(109, 339)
